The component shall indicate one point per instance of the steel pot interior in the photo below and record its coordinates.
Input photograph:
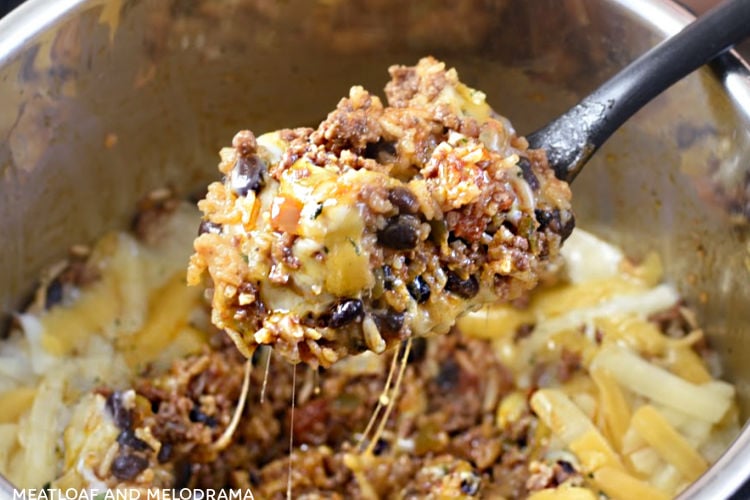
(104, 100)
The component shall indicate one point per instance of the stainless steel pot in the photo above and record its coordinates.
(103, 100)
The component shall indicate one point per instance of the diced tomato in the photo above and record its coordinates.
(285, 213)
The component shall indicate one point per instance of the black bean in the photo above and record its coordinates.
(568, 227)
(381, 445)
(403, 199)
(528, 174)
(381, 151)
(470, 486)
(567, 467)
(448, 376)
(127, 467)
(394, 321)
(247, 175)
(467, 288)
(418, 350)
(258, 356)
(128, 438)
(165, 452)
(196, 415)
(389, 321)
(548, 219)
(345, 312)
(122, 416)
(54, 294)
(401, 233)
(207, 226)
(552, 220)
(419, 289)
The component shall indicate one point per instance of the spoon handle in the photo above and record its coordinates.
(573, 137)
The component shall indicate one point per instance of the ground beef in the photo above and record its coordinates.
(418, 210)
(442, 438)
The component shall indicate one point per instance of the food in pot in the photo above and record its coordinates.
(384, 223)
(599, 381)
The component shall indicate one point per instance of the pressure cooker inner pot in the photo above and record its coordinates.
(114, 99)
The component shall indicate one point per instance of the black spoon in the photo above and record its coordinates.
(571, 139)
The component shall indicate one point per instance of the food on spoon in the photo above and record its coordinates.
(384, 223)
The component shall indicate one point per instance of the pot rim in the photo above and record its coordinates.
(732, 469)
